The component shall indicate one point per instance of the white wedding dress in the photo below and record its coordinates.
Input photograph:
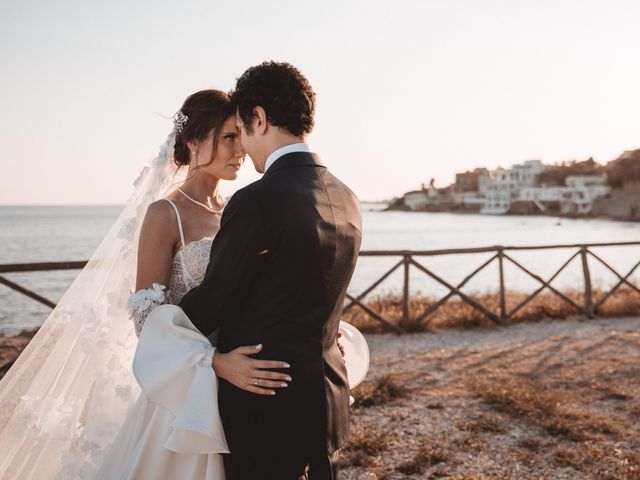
(173, 431)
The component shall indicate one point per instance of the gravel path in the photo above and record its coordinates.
(385, 347)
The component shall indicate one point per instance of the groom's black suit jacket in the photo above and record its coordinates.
(279, 270)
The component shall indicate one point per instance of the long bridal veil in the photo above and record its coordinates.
(64, 399)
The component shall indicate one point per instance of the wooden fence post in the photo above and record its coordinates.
(405, 293)
(503, 302)
(588, 299)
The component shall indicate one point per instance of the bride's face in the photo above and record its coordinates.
(229, 155)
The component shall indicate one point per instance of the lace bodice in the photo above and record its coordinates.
(188, 267)
(187, 271)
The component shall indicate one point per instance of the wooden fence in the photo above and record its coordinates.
(588, 307)
(501, 255)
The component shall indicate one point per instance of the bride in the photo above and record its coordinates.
(68, 407)
(173, 251)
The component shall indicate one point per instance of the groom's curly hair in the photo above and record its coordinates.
(283, 92)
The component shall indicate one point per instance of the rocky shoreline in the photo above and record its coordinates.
(616, 216)
(11, 347)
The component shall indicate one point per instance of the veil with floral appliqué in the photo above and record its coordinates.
(65, 398)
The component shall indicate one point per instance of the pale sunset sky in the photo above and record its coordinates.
(406, 90)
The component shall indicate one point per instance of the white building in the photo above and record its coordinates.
(498, 196)
(417, 200)
(597, 183)
(581, 191)
(525, 173)
(502, 187)
(576, 197)
(420, 199)
(540, 196)
(472, 199)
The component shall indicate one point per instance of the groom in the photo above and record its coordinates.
(279, 270)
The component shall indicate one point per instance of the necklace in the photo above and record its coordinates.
(203, 205)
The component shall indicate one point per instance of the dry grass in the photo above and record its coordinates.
(483, 424)
(589, 436)
(546, 407)
(457, 313)
(378, 392)
(364, 446)
(430, 454)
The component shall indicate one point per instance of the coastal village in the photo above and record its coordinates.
(573, 189)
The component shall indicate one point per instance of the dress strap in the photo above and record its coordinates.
(179, 221)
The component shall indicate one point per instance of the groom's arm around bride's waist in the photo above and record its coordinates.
(235, 254)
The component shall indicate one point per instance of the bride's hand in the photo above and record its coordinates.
(250, 374)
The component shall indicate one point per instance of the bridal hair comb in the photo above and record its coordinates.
(179, 120)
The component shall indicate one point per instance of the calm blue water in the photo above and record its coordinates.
(53, 233)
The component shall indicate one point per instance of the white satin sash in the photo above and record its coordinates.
(172, 364)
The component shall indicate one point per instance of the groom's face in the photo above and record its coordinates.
(249, 144)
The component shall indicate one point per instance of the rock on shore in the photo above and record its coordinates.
(11, 347)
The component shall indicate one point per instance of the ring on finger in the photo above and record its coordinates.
(257, 382)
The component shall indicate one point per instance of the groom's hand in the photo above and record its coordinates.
(248, 373)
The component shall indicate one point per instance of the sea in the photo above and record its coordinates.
(31, 234)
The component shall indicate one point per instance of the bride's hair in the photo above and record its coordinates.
(206, 110)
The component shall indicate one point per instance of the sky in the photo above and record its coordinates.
(406, 90)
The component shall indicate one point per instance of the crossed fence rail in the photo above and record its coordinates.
(588, 307)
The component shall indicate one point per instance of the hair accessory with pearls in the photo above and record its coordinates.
(179, 121)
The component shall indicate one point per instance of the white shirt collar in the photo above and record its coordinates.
(294, 147)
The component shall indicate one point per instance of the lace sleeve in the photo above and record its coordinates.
(142, 302)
